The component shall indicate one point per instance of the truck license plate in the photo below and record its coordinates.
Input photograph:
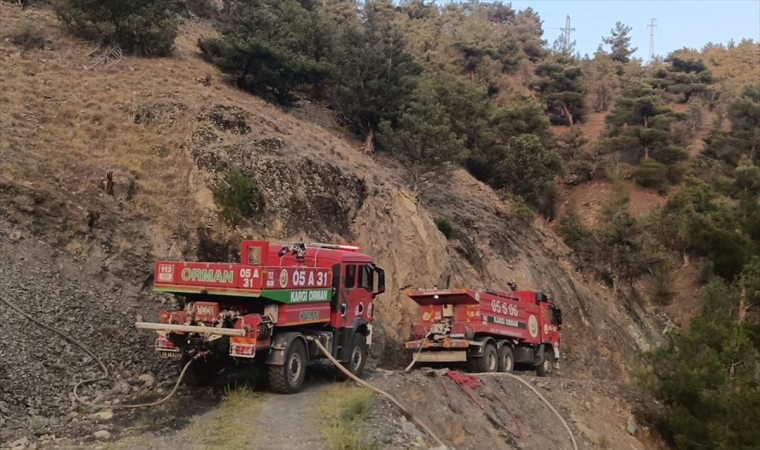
(443, 356)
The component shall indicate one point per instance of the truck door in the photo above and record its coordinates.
(348, 288)
(550, 324)
(364, 291)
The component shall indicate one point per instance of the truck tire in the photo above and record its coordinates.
(506, 359)
(489, 362)
(547, 365)
(357, 358)
(358, 355)
(288, 378)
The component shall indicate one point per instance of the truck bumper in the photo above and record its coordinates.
(442, 356)
(445, 344)
(172, 328)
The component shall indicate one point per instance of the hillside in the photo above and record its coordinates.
(78, 252)
(167, 138)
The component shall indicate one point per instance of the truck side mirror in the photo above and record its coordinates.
(559, 318)
(380, 282)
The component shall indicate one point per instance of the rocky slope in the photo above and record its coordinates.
(169, 130)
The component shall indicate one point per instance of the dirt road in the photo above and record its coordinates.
(245, 419)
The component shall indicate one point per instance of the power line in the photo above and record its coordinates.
(651, 38)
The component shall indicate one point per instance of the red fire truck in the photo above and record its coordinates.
(489, 330)
(263, 309)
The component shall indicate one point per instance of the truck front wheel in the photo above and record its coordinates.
(545, 368)
(356, 358)
(358, 355)
(288, 378)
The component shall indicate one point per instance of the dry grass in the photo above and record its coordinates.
(342, 405)
(64, 126)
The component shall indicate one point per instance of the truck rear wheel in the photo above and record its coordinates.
(506, 359)
(547, 365)
(489, 362)
(288, 378)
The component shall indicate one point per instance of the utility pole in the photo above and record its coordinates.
(651, 38)
(567, 31)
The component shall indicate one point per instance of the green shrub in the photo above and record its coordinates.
(238, 197)
(662, 292)
(651, 173)
(572, 230)
(520, 210)
(142, 27)
(202, 8)
(446, 227)
(28, 37)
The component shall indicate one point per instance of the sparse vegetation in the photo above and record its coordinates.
(28, 37)
(343, 405)
(445, 226)
(142, 27)
(223, 430)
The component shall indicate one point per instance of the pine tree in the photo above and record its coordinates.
(142, 27)
(743, 140)
(527, 168)
(619, 41)
(375, 75)
(601, 77)
(422, 140)
(522, 116)
(529, 32)
(560, 85)
(683, 78)
(640, 125)
(271, 47)
(744, 115)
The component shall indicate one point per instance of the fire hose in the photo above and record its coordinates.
(401, 407)
(417, 355)
(106, 373)
(543, 399)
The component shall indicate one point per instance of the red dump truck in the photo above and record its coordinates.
(488, 330)
(267, 309)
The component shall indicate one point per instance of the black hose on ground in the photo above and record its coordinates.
(106, 373)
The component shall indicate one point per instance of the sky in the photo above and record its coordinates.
(679, 23)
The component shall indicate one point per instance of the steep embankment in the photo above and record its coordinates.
(168, 129)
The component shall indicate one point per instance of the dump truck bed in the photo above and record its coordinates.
(513, 314)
